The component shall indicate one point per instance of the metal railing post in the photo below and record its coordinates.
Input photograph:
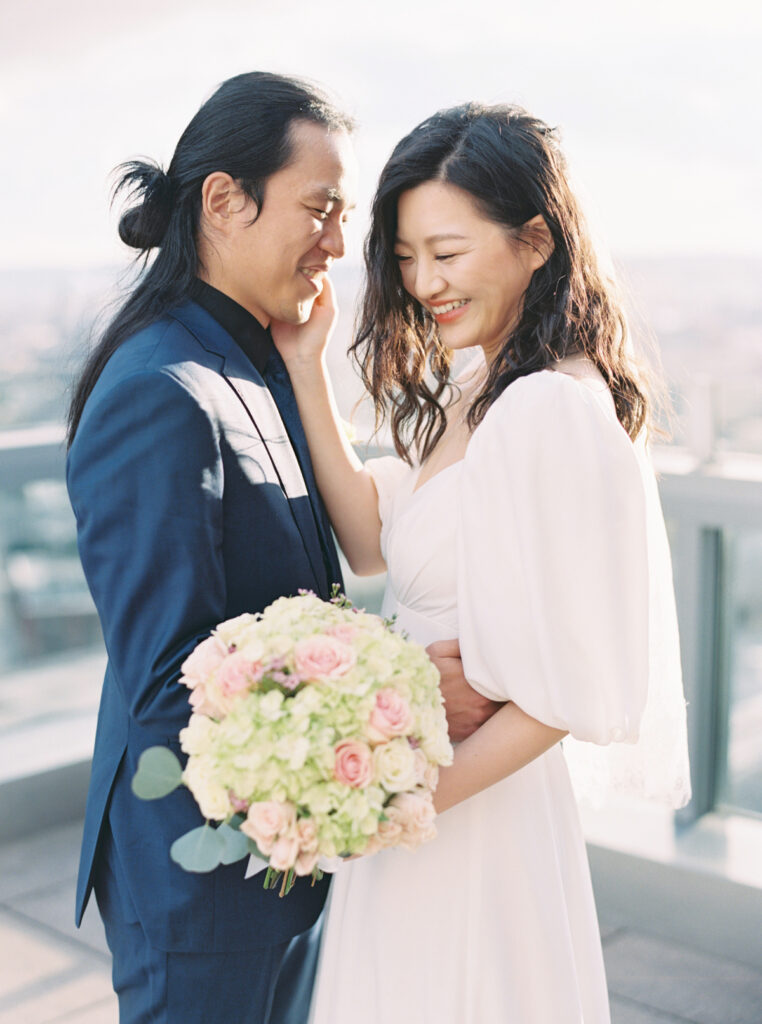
(697, 559)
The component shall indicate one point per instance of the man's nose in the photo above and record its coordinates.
(332, 240)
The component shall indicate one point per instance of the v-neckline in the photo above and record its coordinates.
(420, 486)
(417, 488)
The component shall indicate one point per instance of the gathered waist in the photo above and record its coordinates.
(424, 629)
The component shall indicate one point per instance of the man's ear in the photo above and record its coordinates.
(536, 233)
(221, 199)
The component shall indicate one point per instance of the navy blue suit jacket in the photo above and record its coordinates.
(195, 502)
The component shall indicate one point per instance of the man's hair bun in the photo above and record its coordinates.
(144, 225)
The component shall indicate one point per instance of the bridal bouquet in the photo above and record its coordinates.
(316, 732)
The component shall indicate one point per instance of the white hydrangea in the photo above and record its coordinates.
(276, 739)
(198, 736)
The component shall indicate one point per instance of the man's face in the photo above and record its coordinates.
(275, 266)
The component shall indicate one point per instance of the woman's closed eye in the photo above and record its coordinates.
(442, 256)
(321, 214)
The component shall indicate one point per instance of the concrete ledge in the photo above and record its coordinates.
(697, 908)
(700, 885)
(33, 803)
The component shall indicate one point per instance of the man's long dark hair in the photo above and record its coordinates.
(243, 129)
(510, 164)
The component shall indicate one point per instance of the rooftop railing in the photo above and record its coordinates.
(713, 506)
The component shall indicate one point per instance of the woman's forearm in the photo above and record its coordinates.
(347, 488)
(505, 743)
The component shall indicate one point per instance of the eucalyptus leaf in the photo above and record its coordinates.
(199, 850)
(235, 845)
(159, 773)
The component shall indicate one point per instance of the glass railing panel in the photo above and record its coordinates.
(741, 776)
(51, 650)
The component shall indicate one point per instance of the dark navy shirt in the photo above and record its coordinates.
(244, 328)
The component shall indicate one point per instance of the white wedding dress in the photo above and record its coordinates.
(544, 552)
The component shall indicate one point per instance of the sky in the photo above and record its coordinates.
(657, 102)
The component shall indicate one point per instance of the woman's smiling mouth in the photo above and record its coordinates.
(445, 312)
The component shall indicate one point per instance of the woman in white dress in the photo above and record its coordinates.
(522, 517)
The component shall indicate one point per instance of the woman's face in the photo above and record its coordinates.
(467, 271)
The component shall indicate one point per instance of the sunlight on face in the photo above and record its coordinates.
(467, 271)
(277, 264)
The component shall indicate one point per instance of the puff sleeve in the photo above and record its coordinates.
(553, 578)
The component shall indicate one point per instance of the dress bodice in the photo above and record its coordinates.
(418, 542)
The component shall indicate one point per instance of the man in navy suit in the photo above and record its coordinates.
(191, 482)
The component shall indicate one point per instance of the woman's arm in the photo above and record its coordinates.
(346, 487)
(503, 745)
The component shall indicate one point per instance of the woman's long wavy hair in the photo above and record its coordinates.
(243, 129)
(510, 164)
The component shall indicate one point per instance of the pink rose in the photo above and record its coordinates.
(431, 776)
(389, 832)
(413, 808)
(415, 813)
(353, 763)
(390, 717)
(320, 657)
(426, 773)
(237, 673)
(414, 837)
(206, 699)
(201, 703)
(343, 632)
(266, 821)
(308, 835)
(203, 660)
(306, 863)
(284, 853)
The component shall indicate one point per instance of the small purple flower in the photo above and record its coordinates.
(285, 679)
(239, 804)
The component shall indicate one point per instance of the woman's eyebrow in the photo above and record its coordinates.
(445, 237)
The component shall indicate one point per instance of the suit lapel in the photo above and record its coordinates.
(280, 386)
(267, 423)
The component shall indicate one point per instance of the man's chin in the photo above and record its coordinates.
(299, 313)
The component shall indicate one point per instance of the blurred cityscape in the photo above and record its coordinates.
(703, 316)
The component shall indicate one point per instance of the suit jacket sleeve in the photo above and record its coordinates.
(145, 480)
